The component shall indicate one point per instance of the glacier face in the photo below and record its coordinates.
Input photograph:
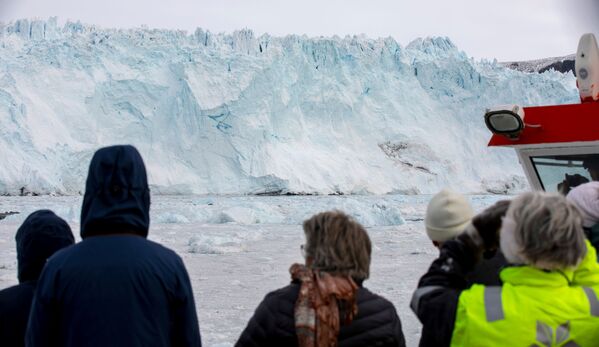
(247, 114)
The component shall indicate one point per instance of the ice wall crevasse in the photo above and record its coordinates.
(247, 114)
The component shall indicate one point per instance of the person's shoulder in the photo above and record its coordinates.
(474, 296)
(160, 254)
(162, 250)
(377, 322)
(282, 299)
(8, 289)
(10, 295)
(365, 295)
(370, 303)
(9, 292)
(289, 292)
(63, 254)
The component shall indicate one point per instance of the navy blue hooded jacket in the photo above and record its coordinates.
(115, 288)
(40, 235)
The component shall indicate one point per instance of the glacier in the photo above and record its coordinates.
(245, 114)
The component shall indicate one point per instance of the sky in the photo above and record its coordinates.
(507, 30)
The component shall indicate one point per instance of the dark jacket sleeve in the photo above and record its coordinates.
(261, 327)
(186, 331)
(42, 328)
(435, 301)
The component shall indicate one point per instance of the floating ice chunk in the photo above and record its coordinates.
(170, 218)
(207, 241)
(239, 215)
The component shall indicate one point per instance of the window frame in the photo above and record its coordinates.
(525, 156)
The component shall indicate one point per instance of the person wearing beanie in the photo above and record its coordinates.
(447, 216)
(586, 198)
(548, 295)
(41, 235)
(115, 287)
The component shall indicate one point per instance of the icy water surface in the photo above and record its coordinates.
(237, 249)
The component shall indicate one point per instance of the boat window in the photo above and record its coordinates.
(560, 173)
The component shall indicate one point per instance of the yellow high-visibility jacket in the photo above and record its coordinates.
(533, 308)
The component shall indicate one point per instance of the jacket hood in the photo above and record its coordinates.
(117, 197)
(41, 235)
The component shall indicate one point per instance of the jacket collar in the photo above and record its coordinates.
(530, 276)
(585, 274)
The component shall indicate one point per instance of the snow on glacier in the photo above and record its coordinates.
(245, 114)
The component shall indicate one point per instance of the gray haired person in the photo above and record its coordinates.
(548, 295)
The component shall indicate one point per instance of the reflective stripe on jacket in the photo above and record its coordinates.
(532, 308)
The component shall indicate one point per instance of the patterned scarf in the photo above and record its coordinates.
(322, 299)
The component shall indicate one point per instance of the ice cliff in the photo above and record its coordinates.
(244, 114)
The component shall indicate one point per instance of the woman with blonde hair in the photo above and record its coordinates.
(326, 304)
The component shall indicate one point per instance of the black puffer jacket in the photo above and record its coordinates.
(376, 324)
(41, 235)
(435, 302)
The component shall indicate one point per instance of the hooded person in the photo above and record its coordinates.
(326, 305)
(115, 287)
(447, 216)
(548, 294)
(586, 198)
(41, 235)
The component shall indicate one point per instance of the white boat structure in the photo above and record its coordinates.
(558, 146)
